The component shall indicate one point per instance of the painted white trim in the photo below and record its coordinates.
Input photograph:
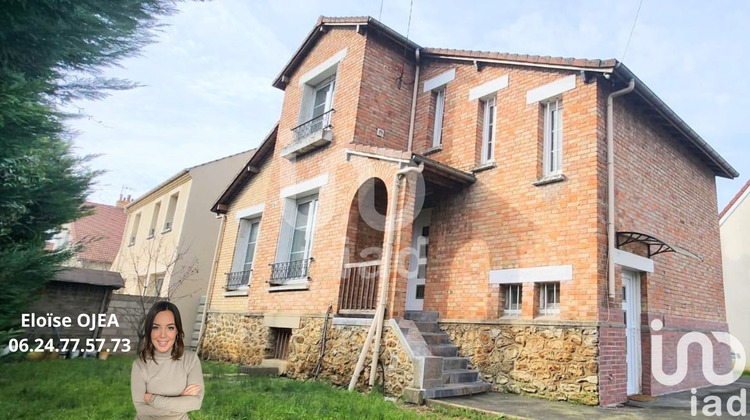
(311, 186)
(734, 207)
(532, 274)
(489, 88)
(322, 67)
(281, 321)
(550, 90)
(439, 80)
(250, 212)
(633, 261)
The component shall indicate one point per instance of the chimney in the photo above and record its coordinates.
(123, 201)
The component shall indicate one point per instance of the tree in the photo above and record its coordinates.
(52, 52)
(143, 266)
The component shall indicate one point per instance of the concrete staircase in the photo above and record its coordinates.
(446, 374)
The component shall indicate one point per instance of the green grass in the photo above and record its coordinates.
(96, 389)
(746, 374)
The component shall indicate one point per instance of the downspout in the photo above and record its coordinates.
(385, 269)
(611, 186)
(209, 290)
(413, 102)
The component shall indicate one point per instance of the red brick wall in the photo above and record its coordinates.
(504, 221)
(385, 95)
(664, 190)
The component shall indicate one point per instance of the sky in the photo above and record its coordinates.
(206, 83)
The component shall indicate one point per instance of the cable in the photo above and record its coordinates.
(380, 14)
(632, 29)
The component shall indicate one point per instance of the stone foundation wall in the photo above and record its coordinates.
(553, 362)
(242, 338)
(232, 337)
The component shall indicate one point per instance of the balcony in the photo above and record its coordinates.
(238, 279)
(290, 270)
(359, 287)
(310, 135)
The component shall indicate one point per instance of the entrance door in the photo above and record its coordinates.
(420, 240)
(631, 287)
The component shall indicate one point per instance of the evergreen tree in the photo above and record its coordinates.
(52, 52)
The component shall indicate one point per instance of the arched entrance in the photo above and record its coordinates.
(360, 279)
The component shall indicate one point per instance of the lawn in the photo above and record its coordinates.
(96, 389)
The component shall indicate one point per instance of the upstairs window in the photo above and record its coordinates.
(154, 219)
(489, 116)
(134, 229)
(244, 255)
(552, 137)
(437, 130)
(171, 208)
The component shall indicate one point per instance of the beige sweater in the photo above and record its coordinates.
(166, 379)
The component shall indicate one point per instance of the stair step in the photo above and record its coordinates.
(436, 338)
(444, 350)
(421, 316)
(456, 376)
(455, 390)
(424, 326)
(259, 370)
(452, 363)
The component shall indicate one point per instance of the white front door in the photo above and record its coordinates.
(631, 305)
(420, 240)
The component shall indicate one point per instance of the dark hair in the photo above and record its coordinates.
(147, 347)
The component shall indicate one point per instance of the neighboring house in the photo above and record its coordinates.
(99, 234)
(735, 250)
(492, 169)
(170, 237)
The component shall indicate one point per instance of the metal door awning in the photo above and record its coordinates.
(655, 245)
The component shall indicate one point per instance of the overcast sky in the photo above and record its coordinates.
(207, 81)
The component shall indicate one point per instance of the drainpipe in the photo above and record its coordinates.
(413, 102)
(385, 270)
(209, 291)
(611, 186)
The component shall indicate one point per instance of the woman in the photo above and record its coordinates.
(166, 381)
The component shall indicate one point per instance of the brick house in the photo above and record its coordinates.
(498, 164)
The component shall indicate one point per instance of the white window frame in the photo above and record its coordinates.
(437, 131)
(328, 105)
(511, 308)
(545, 289)
(286, 233)
(243, 241)
(553, 137)
(309, 228)
(488, 129)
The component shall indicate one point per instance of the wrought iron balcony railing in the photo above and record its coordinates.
(238, 279)
(282, 271)
(318, 123)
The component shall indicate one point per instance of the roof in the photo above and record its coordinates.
(251, 168)
(101, 232)
(646, 99)
(177, 176)
(89, 276)
(735, 201)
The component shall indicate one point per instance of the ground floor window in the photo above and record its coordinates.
(549, 298)
(512, 306)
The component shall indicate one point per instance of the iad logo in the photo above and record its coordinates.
(707, 353)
